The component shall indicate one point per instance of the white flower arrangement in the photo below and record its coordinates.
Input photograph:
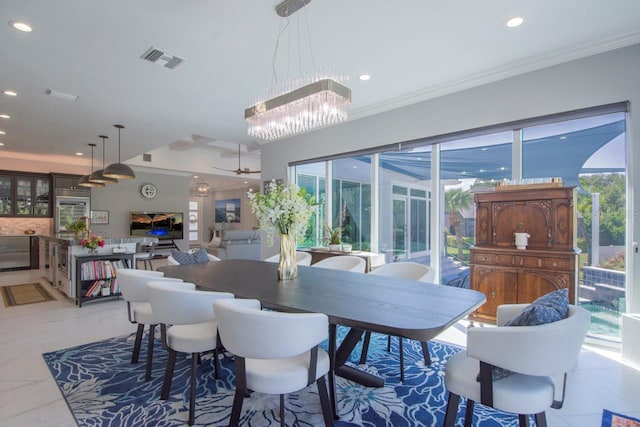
(285, 209)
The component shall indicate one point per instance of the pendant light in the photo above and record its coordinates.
(98, 175)
(119, 170)
(84, 180)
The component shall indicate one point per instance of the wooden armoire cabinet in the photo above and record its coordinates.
(507, 275)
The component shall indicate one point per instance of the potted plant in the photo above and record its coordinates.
(77, 227)
(335, 237)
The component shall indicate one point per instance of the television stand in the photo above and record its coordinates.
(166, 244)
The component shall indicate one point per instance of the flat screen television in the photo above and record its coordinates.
(163, 225)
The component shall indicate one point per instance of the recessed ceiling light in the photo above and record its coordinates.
(195, 176)
(245, 182)
(2, 132)
(364, 77)
(79, 154)
(21, 26)
(515, 22)
(10, 93)
(1, 144)
(563, 137)
(5, 116)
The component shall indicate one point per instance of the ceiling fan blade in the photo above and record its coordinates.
(238, 171)
(226, 170)
(247, 171)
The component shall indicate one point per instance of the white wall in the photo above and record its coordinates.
(597, 80)
(247, 219)
(119, 199)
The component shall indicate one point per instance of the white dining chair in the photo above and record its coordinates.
(401, 270)
(189, 326)
(132, 283)
(343, 262)
(538, 358)
(274, 353)
(302, 258)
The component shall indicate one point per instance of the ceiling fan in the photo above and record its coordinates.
(238, 171)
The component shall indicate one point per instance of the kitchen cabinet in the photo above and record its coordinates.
(507, 275)
(25, 194)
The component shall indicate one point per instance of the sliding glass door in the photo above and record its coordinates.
(589, 154)
(585, 149)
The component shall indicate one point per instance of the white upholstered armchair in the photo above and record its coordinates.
(274, 353)
(538, 356)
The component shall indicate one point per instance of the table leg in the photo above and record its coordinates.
(346, 347)
(332, 367)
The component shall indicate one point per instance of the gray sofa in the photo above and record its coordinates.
(236, 244)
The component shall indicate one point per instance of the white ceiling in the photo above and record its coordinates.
(413, 49)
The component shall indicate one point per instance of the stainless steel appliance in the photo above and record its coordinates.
(51, 269)
(70, 209)
(15, 253)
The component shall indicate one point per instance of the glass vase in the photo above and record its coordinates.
(287, 267)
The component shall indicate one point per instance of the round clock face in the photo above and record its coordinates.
(148, 191)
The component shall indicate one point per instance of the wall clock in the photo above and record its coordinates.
(148, 190)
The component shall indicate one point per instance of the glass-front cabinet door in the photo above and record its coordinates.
(6, 199)
(25, 195)
(42, 199)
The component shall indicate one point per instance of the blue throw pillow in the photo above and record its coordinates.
(548, 308)
(197, 257)
(201, 255)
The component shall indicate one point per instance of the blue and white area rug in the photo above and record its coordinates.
(102, 388)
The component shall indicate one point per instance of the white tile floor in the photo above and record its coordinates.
(29, 397)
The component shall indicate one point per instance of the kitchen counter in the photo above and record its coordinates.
(62, 249)
(70, 240)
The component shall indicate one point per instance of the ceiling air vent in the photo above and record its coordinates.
(160, 57)
(146, 157)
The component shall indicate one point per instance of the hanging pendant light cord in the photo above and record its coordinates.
(275, 50)
(103, 151)
(92, 145)
(119, 145)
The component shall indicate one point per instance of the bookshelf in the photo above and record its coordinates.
(95, 272)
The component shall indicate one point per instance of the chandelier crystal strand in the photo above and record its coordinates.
(299, 104)
(320, 105)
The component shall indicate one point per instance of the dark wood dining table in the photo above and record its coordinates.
(405, 308)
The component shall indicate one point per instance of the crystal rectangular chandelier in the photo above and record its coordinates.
(298, 105)
(319, 103)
